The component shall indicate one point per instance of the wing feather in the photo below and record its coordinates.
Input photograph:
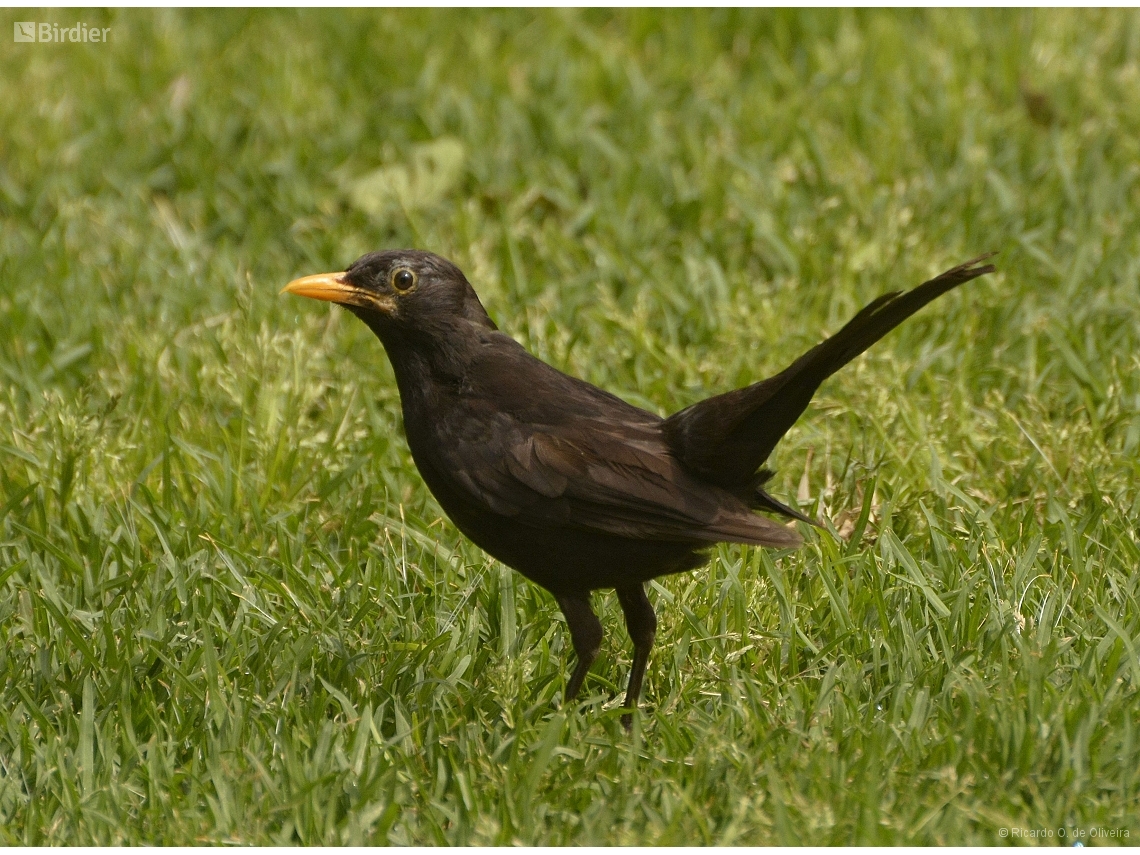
(613, 479)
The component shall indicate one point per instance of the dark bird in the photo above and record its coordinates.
(564, 482)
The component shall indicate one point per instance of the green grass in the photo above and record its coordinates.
(230, 611)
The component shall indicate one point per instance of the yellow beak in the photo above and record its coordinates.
(332, 288)
(322, 286)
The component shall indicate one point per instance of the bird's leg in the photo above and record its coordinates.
(642, 625)
(586, 635)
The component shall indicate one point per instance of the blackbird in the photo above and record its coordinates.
(569, 485)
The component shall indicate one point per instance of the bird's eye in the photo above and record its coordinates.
(403, 279)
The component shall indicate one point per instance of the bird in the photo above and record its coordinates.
(571, 486)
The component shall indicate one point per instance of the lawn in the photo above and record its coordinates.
(231, 612)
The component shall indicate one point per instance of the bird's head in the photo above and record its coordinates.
(401, 291)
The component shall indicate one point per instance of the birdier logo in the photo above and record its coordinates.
(31, 31)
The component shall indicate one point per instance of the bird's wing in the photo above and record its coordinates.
(607, 477)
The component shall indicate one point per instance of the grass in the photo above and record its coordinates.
(232, 612)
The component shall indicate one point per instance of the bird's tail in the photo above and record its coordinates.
(726, 438)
